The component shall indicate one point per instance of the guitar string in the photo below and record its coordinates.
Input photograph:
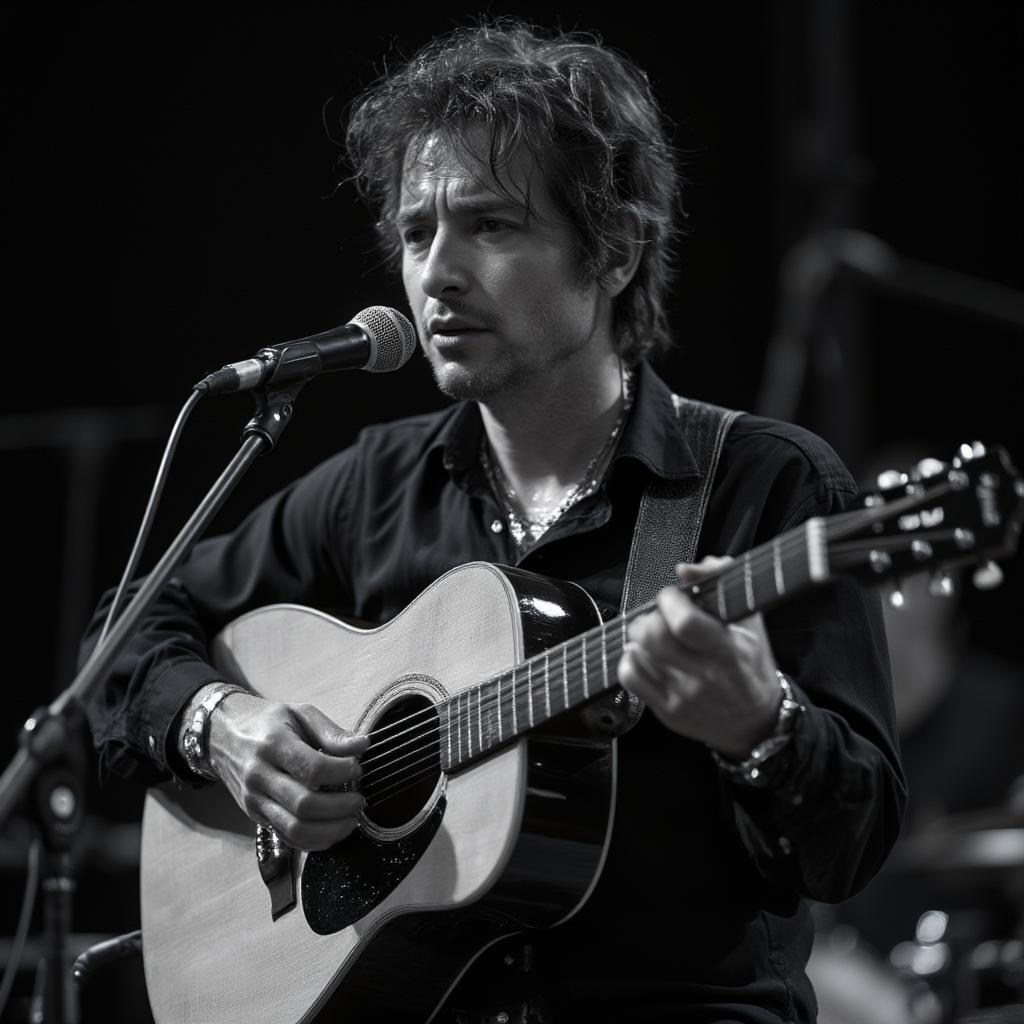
(783, 545)
(456, 720)
(736, 570)
(397, 789)
(733, 578)
(753, 562)
(487, 702)
(402, 778)
(458, 716)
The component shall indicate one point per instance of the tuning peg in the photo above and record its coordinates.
(987, 576)
(941, 585)
(928, 467)
(974, 450)
(890, 478)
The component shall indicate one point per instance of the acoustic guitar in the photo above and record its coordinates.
(492, 707)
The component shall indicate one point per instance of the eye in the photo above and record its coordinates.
(414, 237)
(492, 225)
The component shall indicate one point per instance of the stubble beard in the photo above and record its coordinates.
(507, 379)
(460, 383)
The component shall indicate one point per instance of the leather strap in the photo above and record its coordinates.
(674, 509)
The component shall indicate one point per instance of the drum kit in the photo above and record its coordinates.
(964, 962)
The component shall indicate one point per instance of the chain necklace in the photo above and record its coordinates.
(527, 528)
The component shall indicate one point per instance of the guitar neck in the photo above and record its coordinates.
(483, 718)
(486, 717)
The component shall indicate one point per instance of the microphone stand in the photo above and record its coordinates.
(810, 269)
(45, 760)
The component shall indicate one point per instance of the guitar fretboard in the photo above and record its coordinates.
(491, 714)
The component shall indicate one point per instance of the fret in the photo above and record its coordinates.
(498, 704)
(547, 686)
(458, 706)
(748, 582)
(817, 560)
(529, 688)
(448, 714)
(479, 720)
(515, 697)
(723, 607)
(780, 578)
(604, 655)
(565, 677)
(492, 714)
(586, 687)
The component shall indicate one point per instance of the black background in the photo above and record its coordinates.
(169, 205)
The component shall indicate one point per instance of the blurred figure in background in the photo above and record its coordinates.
(938, 932)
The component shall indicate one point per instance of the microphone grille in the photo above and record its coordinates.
(392, 336)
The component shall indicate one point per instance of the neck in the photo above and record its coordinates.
(544, 435)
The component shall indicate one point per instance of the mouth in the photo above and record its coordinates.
(438, 328)
(453, 339)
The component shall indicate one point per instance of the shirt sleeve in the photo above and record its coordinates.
(836, 794)
(289, 549)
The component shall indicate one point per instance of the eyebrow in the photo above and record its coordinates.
(462, 205)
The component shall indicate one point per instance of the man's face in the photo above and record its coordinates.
(496, 293)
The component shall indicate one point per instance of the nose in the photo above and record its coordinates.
(445, 269)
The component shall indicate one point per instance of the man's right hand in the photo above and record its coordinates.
(285, 765)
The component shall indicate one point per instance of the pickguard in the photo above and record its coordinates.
(343, 884)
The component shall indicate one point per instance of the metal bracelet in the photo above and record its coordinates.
(195, 742)
(750, 771)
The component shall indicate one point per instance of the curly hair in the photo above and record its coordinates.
(585, 113)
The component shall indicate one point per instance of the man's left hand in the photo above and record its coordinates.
(711, 682)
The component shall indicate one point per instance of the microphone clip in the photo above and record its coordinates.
(274, 408)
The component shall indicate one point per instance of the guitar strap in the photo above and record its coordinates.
(671, 512)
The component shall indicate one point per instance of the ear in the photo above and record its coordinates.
(624, 261)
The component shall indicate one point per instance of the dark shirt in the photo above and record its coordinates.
(701, 900)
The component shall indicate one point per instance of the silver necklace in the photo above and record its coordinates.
(527, 528)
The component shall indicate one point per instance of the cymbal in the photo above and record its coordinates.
(979, 844)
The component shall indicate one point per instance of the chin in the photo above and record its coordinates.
(461, 382)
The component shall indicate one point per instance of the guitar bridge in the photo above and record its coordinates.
(275, 861)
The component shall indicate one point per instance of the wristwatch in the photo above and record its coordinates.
(195, 741)
(751, 770)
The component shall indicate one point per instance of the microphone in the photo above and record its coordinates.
(378, 339)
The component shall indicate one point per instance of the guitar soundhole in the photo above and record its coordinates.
(402, 765)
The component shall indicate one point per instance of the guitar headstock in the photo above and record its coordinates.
(937, 516)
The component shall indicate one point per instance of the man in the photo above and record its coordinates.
(525, 185)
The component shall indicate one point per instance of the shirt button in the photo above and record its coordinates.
(497, 526)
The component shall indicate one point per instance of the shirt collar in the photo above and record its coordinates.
(458, 440)
(653, 434)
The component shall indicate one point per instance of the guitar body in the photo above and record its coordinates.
(386, 921)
